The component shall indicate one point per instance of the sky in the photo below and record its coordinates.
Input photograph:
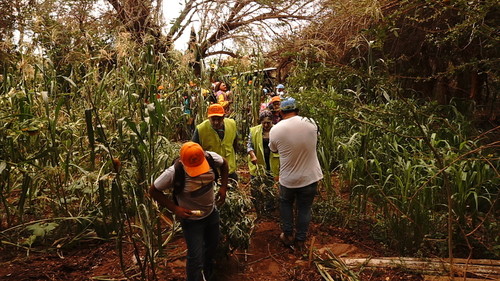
(171, 9)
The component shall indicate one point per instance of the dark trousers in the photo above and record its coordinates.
(202, 237)
(304, 197)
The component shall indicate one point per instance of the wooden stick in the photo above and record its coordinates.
(483, 268)
(258, 260)
(311, 251)
(271, 255)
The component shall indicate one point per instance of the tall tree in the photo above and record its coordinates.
(239, 20)
(220, 27)
(15, 16)
(142, 18)
(439, 49)
(217, 21)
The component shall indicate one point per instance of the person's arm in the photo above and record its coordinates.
(221, 99)
(272, 143)
(250, 149)
(224, 179)
(235, 143)
(165, 202)
(253, 157)
(196, 136)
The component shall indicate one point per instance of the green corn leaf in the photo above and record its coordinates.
(3, 165)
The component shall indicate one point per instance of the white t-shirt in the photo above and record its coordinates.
(295, 140)
(198, 191)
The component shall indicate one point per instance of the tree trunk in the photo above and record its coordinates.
(441, 90)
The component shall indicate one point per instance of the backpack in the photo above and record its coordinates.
(180, 174)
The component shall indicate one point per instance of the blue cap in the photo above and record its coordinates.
(280, 86)
(288, 104)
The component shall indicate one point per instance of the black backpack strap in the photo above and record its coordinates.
(179, 179)
(180, 175)
(211, 162)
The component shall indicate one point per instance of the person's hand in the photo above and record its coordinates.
(253, 159)
(182, 212)
(221, 196)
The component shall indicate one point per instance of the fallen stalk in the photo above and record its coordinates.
(266, 257)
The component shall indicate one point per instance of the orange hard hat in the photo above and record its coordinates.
(276, 98)
(215, 110)
(193, 159)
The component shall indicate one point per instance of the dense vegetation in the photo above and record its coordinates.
(86, 125)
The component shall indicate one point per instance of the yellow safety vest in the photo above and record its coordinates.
(258, 147)
(209, 140)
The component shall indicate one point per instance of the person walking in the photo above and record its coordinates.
(192, 179)
(223, 96)
(261, 161)
(263, 166)
(189, 103)
(295, 139)
(219, 134)
(274, 107)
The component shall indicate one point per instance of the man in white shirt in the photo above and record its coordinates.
(295, 139)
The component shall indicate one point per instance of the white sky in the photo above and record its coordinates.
(171, 9)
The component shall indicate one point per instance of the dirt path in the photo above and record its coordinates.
(266, 259)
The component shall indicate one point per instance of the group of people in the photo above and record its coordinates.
(223, 96)
(283, 148)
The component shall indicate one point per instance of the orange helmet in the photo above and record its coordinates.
(215, 110)
(193, 159)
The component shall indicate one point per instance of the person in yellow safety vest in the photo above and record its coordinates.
(261, 160)
(219, 134)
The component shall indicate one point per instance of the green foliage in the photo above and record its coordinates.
(330, 210)
(265, 195)
(395, 155)
(39, 231)
(88, 124)
(236, 224)
(87, 143)
(455, 39)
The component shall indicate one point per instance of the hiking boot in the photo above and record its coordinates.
(300, 247)
(287, 240)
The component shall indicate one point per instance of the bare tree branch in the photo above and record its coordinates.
(178, 26)
(218, 20)
(229, 53)
(235, 20)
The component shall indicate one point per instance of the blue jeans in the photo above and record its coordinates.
(202, 238)
(304, 197)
